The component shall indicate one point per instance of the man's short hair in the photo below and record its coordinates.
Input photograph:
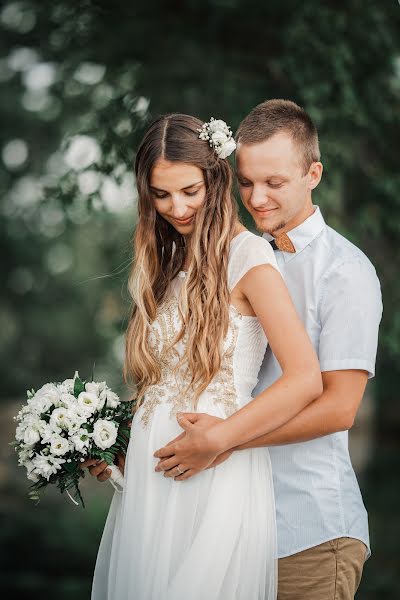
(276, 116)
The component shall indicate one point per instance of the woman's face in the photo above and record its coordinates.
(178, 191)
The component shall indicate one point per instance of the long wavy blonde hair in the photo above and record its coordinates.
(159, 253)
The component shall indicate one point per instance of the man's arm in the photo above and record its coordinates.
(333, 411)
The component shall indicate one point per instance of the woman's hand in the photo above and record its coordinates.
(100, 469)
(194, 450)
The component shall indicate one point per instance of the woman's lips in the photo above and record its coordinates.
(185, 221)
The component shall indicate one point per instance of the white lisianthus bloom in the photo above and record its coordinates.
(67, 386)
(88, 402)
(68, 400)
(59, 445)
(227, 148)
(61, 417)
(104, 433)
(112, 399)
(81, 439)
(219, 137)
(47, 465)
(93, 388)
(44, 398)
(31, 436)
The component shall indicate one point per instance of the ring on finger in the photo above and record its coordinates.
(179, 470)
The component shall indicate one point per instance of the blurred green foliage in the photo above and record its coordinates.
(103, 70)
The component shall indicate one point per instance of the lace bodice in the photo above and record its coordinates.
(243, 348)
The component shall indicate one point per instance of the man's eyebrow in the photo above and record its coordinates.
(152, 187)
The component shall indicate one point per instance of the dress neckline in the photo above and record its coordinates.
(183, 274)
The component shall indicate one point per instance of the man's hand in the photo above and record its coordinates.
(100, 469)
(193, 450)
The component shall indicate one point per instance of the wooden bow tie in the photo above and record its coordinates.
(284, 243)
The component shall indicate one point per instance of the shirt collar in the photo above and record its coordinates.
(303, 234)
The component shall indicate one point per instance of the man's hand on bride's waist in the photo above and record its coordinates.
(195, 449)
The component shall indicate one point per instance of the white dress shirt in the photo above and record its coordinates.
(337, 295)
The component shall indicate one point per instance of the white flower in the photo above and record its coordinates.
(31, 475)
(46, 465)
(24, 455)
(104, 433)
(59, 445)
(66, 386)
(67, 400)
(88, 402)
(62, 418)
(31, 436)
(219, 138)
(227, 148)
(217, 125)
(20, 431)
(81, 439)
(47, 432)
(112, 399)
(44, 398)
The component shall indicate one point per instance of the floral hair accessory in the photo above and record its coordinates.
(219, 135)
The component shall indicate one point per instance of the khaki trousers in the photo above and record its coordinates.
(330, 571)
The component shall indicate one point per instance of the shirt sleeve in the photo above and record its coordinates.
(350, 314)
(250, 252)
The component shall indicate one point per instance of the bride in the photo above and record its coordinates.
(207, 295)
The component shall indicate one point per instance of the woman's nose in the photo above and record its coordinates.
(179, 207)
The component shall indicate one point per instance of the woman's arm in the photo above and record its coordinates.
(300, 383)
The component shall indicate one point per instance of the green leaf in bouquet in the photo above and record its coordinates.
(79, 386)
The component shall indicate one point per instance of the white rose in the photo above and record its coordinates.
(88, 402)
(104, 433)
(219, 137)
(218, 125)
(31, 436)
(59, 445)
(227, 148)
(112, 399)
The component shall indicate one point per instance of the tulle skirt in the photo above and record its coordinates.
(212, 536)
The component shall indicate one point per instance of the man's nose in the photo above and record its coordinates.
(258, 198)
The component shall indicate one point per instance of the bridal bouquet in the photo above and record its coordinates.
(62, 425)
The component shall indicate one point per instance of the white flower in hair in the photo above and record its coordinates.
(219, 135)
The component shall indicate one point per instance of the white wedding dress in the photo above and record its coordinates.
(212, 536)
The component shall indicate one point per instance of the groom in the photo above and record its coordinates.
(322, 523)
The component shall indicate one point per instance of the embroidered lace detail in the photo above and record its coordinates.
(172, 387)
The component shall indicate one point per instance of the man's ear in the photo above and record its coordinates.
(315, 174)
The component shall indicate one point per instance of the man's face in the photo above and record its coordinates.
(272, 183)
